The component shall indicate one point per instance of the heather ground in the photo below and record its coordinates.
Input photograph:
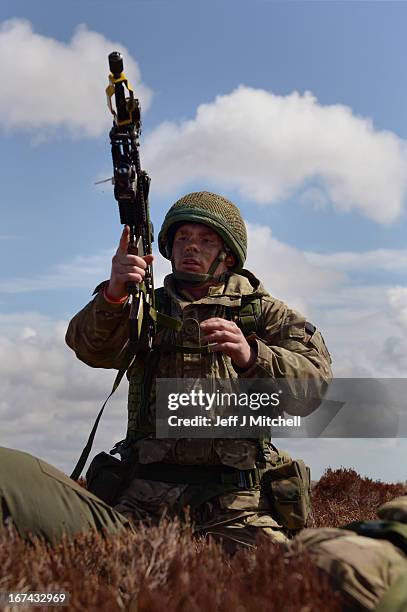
(165, 569)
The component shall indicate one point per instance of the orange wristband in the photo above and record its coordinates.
(113, 300)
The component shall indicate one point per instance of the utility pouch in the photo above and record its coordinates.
(107, 476)
(288, 487)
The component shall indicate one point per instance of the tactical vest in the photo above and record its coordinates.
(246, 317)
(142, 377)
(141, 380)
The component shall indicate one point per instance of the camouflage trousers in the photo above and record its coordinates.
(234, 519)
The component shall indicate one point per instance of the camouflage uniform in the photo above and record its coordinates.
(42, 501)
(370, 572)
(285, 347)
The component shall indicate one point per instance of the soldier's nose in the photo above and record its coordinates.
(191, 247)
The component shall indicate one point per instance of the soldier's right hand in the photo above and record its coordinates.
(125, 268)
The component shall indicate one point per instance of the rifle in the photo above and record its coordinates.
(131, 187)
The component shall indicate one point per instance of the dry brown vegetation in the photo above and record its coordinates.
(342, 496)
(165, 568)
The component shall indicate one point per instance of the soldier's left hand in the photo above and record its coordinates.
(228, 339)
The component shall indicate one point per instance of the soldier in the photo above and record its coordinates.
(366, 561)
(255, 336)
(40, 500)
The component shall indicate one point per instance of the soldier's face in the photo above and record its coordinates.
(195, 247)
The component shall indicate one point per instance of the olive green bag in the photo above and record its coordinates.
(287, 484)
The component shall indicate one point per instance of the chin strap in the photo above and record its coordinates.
(197, 279)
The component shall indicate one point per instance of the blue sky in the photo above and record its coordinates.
(321, 178)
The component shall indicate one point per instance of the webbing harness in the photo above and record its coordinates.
(247, 318)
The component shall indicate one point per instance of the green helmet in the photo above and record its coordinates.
(212, 210)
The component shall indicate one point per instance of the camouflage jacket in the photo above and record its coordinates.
(286, 348)
(370, 572)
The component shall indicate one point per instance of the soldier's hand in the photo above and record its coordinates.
(229, 339)
(125, 268)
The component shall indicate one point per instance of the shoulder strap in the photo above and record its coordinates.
(162, 310)
(86, 451)
(161, 300)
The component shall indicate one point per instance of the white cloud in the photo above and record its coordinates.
(394, 355)
(49, 398)
(378, 259)
(269, 147)
(394, 351)
(285, 271)
(59, 85)
(398, 301)
(358, 322)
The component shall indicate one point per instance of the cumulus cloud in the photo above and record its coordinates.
(398, 301)
(358, 322)
(361, 323)
(393, 355)
(63, 82)
(48, 393)
(284, 270)
(377, 259)
(268, 147)
(365, 328)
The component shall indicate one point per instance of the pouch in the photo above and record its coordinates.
(107, 476)
(288, 487)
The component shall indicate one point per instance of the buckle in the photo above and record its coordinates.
(121, 448)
